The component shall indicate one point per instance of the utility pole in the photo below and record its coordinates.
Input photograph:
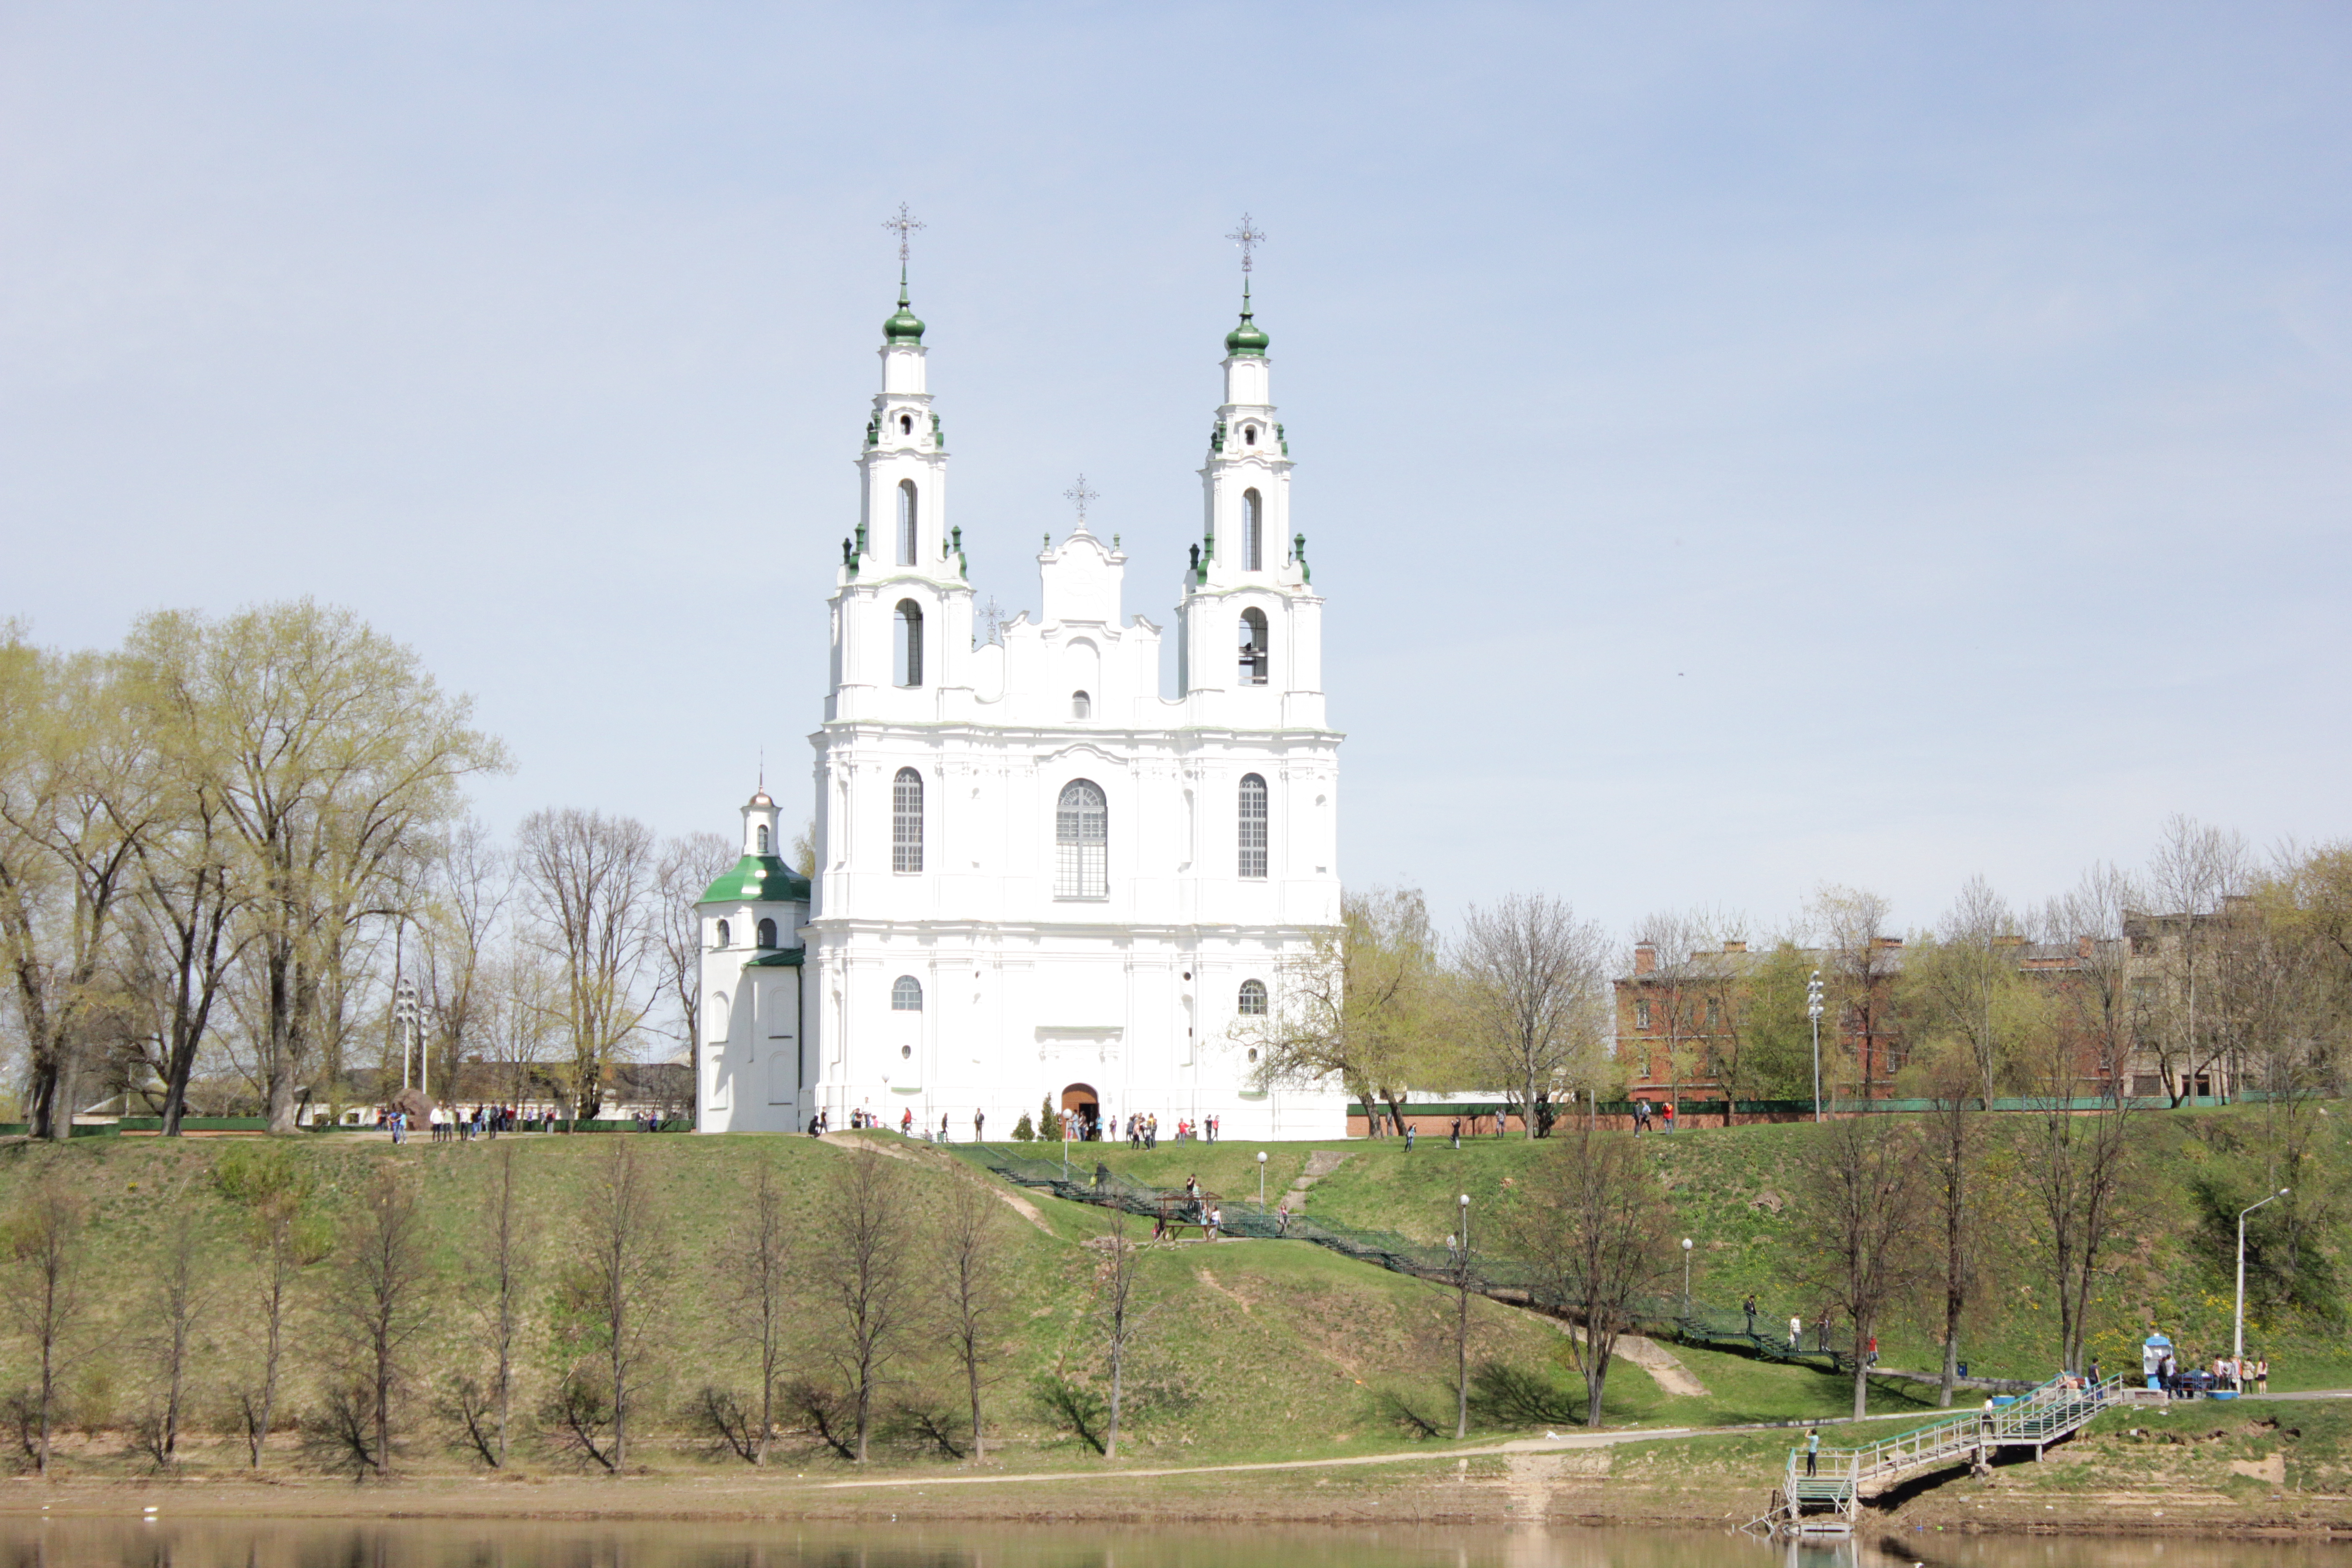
(1813, 1012)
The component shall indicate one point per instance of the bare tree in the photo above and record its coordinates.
(179, 1291)
(1592, 1225)
(685, 866)
(1861, 957)
(499, 1270)
(860, 1266)
(379, 1305)
(44, 1298)
(2195, 871)
(615, 1298)
(1965, 986)
(1120, 1309)
(466, 880)
(274, 1186)
(760, 1270)
(1361, 1008)
(589, 877)
(972, 1273)
(1953, 1209)
(1532, 977)
(1863, 1185)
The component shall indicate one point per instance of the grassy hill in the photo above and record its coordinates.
(1251, 1350)
(1738, 1195)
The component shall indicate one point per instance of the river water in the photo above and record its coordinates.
(71, 1542)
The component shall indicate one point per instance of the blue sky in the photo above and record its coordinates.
(1743, 446)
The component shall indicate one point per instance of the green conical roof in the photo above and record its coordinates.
(906, 327)
(1245, 339)
(760, 880)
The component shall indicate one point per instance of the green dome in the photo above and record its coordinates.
(759, 880)
(1245, 339)
(906, 327)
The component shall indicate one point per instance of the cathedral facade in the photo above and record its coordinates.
(1039, 879)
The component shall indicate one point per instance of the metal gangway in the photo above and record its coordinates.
(1829, 1500)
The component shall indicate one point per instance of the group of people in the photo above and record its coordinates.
(1648, 1118)
(453, 1124)
(2240, 1374)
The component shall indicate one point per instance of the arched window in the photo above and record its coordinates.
(906, 654)
(906, 522)
(763, 838)
(767, 935)
(1253, 530)
(1082, 842)
(1252, 828)
(1081, 705)
(1253, 647)
(1252, 999)
(906, 821)
(905, 424)
(906, 995)
(724, 935)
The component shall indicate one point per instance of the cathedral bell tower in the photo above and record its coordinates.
(901, 605)
(1249, 623)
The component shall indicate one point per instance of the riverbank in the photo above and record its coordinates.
(2275, 1471)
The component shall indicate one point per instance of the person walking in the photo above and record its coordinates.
(1796, 1332)
(1216, 1220)
(1749, 1306)
(978, 1123)
(1457, 1132)
(1282, 1219)
(1812, 1450)
(1408, 1137)
(1666, 1114)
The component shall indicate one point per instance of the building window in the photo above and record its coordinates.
(1253, 528)
(1082, 842)
(767, 933)
(1252, 828)
(763, 838)
(1641, 1014)
(906, 821)
(1081, 705)
(1253, 1000)
(906, 648)
(906, 995)
(1713, 1014)
(724, 935)
(906, 506)
(1253, 647)
(905, 424)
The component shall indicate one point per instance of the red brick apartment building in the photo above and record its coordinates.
(1682, 1005)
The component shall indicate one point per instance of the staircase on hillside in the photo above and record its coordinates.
(1827, 1501)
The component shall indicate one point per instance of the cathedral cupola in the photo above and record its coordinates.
(1244, 340)
(906, 328)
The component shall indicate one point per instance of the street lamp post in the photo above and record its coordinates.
(1813, 1012)
(1261, 1180)
(2238, 1341)
(1687, 1246)
(1462, 1327)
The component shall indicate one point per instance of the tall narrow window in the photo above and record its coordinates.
(906, 522)
(1252, 531)
(907, 652)
(1253, 647)
(724, 936)
(1253, 1000)
(763, 838)
(906, 821)
(1081, 705)
(767, 933)
(1253, 826)
(906, 995)
(1082, 842)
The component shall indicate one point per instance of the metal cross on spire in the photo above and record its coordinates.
(1077, 495)
(905, 222)
(1249, 238)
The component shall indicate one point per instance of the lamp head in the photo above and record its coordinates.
(1466, 1200)
(1686, 1244)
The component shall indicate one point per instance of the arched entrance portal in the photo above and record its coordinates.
(1080, 1103)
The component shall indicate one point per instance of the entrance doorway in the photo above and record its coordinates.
(1080, 1103)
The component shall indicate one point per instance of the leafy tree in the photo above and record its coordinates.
(1364, 1006)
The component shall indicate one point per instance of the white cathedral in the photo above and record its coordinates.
(1038, 879)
